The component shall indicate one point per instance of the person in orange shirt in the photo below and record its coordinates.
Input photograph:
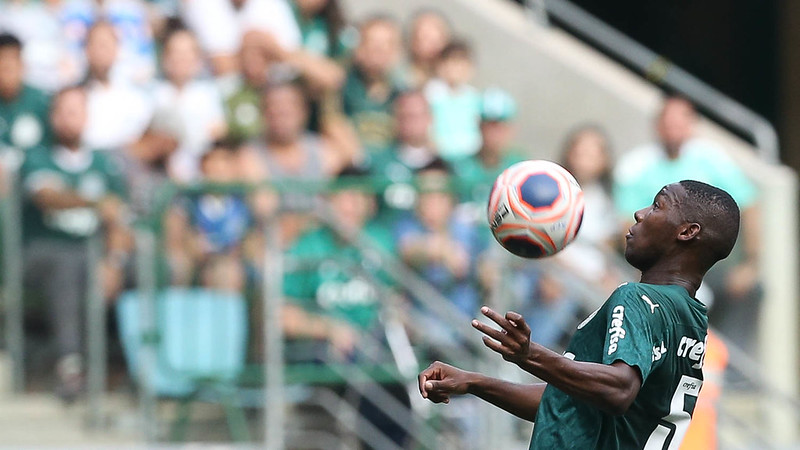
(702, 432)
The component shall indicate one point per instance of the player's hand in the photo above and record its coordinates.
(512, 341)
(440, 381)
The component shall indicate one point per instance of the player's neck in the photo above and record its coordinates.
(662, 275)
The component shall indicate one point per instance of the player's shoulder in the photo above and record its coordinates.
(638, 296)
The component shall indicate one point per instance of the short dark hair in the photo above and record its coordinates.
(9, 40)
(436, 164)
(457, 48)
(716, 212)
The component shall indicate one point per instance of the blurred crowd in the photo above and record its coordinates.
(103, 102)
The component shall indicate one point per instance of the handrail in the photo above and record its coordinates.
(663, 72)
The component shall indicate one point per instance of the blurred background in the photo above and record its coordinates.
(250, 223)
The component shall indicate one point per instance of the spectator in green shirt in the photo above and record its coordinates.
(476, 174)
(372, 86)
(70, 193)
(23, 109)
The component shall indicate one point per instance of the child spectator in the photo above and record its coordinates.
(440, 245)
(23, 109)
(456, 104)
(205, 234)
(428, 34)
(118, 112)
(198, 101)
(372, 85)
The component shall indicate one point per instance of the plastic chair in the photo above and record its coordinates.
(201, 346)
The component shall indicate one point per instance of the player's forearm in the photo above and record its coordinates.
(610, 388)
(521, 400)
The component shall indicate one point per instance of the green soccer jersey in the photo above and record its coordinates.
(243, 114)
(24, 120)
(661, 331)
(476, 179)
(90, 174)
(330, 279)
(372, 118)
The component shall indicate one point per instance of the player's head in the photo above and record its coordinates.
(352, 199)
(11, 67)
(690, 223)
(675, 124)
(68, 113)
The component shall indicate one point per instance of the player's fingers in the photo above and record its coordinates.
(489, 331)
(494, 345)
(518, 321)
(422, 389)
(496, 318)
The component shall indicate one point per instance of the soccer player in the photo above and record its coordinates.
(632, 372)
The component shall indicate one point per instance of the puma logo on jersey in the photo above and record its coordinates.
(616, 332)
(694, 350)
(653, 306)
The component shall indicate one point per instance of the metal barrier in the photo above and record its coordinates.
(276, 374)
(663, 72)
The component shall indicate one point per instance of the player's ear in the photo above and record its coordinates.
(688, 231)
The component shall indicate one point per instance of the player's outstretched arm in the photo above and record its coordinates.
(440, 381)
(611, 388)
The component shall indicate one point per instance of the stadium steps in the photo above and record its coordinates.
(41, 419)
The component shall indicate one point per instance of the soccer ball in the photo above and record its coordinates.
(535, 208)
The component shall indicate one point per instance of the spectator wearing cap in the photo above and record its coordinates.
(23, 109)
(476, 173)
(441, 245)
(455, 103)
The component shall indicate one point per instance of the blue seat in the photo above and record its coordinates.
(201, 337)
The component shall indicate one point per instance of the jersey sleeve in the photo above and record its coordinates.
(629, 335)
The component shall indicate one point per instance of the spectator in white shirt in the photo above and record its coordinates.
(221, 24)
(197, 100)
(118, 112)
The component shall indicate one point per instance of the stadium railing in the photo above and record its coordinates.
(262, 385)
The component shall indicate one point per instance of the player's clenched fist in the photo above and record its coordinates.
(440, 381)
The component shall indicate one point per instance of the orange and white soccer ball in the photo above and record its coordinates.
(535, 208)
